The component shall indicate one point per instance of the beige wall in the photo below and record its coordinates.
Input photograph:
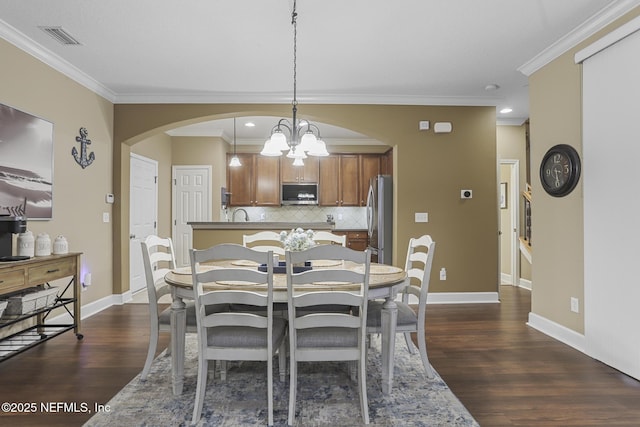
(557, 223)
(78, 194)
(430, 172)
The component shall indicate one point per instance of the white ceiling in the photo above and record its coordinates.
(415, 52)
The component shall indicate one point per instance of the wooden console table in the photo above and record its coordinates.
(17, 276)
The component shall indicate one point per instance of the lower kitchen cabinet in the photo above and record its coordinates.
(356, 239)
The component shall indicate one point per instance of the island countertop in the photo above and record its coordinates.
(261, 225)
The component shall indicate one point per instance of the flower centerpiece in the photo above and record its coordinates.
(297, 239)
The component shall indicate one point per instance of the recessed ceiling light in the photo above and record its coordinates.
(250, 124)
(492, 86)
(506, 110)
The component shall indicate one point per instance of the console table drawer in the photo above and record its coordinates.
(11, 281)
(51, 271)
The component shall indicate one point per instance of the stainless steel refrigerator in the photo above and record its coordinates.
(380, 218)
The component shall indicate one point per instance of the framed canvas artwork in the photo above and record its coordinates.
(26, 164)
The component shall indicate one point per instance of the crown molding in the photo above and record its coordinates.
(606, 41)
(285, 98)
(39, 52)
(594, 24)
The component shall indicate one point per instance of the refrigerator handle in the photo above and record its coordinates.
(370, 210)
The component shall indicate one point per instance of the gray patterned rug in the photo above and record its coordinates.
(326, 396)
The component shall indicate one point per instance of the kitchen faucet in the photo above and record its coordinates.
(233, 215)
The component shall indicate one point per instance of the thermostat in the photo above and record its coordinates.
(109, 198)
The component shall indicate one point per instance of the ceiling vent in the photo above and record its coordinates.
(61, 35)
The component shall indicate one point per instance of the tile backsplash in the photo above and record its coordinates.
(344, 217)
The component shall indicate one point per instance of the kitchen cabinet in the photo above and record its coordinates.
(369, 168)
(356, 239)
(307, 174)
(256, 182)
(339, 180)
(386, 163)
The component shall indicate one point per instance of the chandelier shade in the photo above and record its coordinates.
(303, 136)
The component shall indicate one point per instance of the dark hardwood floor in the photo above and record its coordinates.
(504, 372)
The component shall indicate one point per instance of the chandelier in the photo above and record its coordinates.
(304, 137)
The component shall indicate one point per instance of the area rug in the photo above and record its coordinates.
(326, 396)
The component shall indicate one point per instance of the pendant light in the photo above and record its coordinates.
(235, 161)
(304, 137)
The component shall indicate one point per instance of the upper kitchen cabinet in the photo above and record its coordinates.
(256, 182)
(370, 166)
(339, 180)
(386, 163)
(299, 174)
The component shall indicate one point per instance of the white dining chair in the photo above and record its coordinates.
(326, 237)
(418, 268)
(159, 258)
(268, 241)
(318, 335)
(231, 336)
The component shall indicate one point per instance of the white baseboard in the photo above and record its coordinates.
(506, 278)
(525, 283)
(462, 297)
(557, 331)
(94, 307)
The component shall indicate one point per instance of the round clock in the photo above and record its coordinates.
(560, 170)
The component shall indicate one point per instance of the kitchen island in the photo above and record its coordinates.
(206, 234)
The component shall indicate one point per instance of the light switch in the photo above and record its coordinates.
(423, 125)
(105, 216)
(422, 217)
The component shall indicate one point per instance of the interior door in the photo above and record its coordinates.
(191, 201)
(143, 214)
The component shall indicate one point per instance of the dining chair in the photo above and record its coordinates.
(230, 336)
(330, 238)
(418, 268)
(263, 237)
(318, 335)
(159, 258)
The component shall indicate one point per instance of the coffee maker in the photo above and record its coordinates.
(8, 226)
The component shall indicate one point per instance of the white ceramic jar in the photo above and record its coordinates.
(26, 244)
(60, 246)
(43, 245)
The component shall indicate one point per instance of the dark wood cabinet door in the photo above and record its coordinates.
(349, 180)
(240, 181)
(369, 168)
(310, 171)
(267, 181)
(328, 181)
(299, 174)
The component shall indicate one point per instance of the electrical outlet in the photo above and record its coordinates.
(262, 216)
(443, 273)
(575, 305)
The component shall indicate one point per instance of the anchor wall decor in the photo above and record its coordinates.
(82, 158)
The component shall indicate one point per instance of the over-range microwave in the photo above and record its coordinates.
(299, 194)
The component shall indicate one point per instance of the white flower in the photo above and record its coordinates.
(297, 240)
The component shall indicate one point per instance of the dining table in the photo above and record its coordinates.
(385, 281)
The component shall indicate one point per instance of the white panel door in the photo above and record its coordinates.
(611, 150)
(191, 202)
(143, 208)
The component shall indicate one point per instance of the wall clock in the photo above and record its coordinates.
(560, 170)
